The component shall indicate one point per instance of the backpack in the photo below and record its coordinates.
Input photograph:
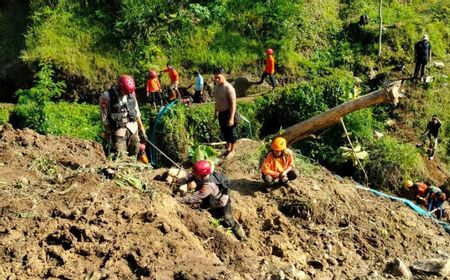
(221, 181)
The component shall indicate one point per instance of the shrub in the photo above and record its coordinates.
(71, 119)
(390, 162)
(5, 111)
(31, 103)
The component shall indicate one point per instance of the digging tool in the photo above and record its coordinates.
(161, 152)
(167, 157)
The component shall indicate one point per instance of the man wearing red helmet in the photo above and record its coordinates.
(209, 196)
(269, 70)
(120, 115)
(154, 88)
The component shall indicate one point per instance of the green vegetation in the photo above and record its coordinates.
(94, 40)
(31, 104)
(318, 44)
(391, 162)
(5, 111)
(71, 119)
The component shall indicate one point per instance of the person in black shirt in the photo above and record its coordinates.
(432, 133)
(422, 51)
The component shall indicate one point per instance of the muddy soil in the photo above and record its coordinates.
(62, 218)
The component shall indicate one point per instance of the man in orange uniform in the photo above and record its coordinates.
(174, 78)
(417, 190)
(278, 167)
(154, 88)
(269, 70)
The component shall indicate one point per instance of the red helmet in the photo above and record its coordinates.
(269, 51)
(152, 74)
(126, 83)
(202, 168)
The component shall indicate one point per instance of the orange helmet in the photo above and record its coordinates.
(278, 144)
(269, 51)
(408, 183)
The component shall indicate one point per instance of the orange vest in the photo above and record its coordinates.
(273, 166)
(421, 189)
(173, 74)
(153, 85)
(270, 65)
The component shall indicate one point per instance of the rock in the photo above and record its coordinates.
(434, 266)
(165, 228)
(277, 251)
(398, 268)
(378, 134)
(332, 261)
(295, 274)
(439, 64)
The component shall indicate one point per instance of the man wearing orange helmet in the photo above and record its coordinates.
(417, 190)
(278, 167)
(153, 88)
(211, 197)
(269, 70)
(121, 118)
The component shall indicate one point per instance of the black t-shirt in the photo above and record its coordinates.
(433, 128)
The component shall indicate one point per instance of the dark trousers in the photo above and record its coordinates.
(156, 98)
(229, 133)
(272, 79)
(420, 67)
(271, 182)
(225, 213)
(198, 97)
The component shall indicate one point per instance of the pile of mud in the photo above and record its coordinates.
(60, 218)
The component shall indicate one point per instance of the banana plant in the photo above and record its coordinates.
(348, 154)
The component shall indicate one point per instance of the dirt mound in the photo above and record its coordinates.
(61, 218)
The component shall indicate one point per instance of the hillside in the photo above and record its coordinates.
(62, 219)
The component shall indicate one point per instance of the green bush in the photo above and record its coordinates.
(31, 104)
(5, 111)
(390, 162)
(71, 119)
(183, 126)
(286, 107)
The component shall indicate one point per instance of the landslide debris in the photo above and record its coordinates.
(61, 217)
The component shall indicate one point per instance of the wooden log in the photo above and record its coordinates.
(301, 130)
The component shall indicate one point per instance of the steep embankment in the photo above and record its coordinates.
(61, 218)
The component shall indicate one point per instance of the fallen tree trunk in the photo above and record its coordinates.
(303, 129)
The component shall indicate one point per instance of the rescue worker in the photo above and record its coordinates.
(198, 88)
(174, 78)
(278, 166)
(435, 197)
(172, 95)
(209, 196)
(417, 190)
(269, 70)
(153, 88)
(432, 132)
(121, 117)
(225, 111)
(422, 54)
